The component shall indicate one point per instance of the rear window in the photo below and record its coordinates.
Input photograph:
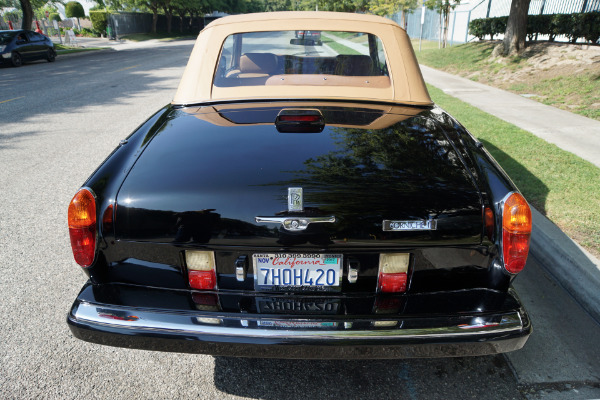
(6, 37)
(315, 58)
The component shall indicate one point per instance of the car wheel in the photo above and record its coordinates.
(51, 56)
(16, 60)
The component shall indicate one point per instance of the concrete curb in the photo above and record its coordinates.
(575, 269)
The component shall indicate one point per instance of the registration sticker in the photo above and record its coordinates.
(297, 270)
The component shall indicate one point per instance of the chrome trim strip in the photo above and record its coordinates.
(182, 323)
(294, 223)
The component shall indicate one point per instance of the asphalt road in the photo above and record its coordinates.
(57, 123)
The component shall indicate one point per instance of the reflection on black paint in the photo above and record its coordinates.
(405, 170)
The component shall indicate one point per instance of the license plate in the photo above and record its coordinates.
(297, 270)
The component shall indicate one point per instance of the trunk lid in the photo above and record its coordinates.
(209, 172)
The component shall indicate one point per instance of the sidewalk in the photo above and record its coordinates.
(571, 132)
(118, 45)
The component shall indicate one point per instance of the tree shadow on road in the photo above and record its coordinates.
(75, 82)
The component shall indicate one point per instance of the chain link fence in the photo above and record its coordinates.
(458, 28)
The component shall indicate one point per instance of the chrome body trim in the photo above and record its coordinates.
(247, 327)
(294, 223)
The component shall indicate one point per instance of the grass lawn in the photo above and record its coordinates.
(560, 75)
(337, 47)
(559, 184)
(61, 49)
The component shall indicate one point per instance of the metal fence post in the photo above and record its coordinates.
(584, 6)
(468, 21)
(453, 25)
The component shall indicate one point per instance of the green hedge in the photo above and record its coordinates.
(573, 26)
(488, 26)
(99, 20)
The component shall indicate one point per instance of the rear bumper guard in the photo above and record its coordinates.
(299, 337)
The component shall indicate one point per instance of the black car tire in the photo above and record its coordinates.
(51, 56)
(16, 60)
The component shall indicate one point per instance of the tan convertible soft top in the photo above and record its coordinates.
(406, 87)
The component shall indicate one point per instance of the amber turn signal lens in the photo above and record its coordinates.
(82, 227)
(489, 223)
(516, 232)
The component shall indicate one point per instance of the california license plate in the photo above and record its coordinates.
(315, 271)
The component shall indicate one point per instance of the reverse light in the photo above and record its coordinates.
(82, 227)
(201, 269)
(393, 272)
(516, 232)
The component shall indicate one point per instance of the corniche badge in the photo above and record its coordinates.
(295, 202)
(418, 225)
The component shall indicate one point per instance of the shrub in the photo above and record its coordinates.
(591, 23)
(573, 26)
(55, 17)
(497, 26)
(74, 9)
(99, 20)
(477, 29)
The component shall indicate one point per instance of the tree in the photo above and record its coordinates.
(27, 14)
(389, 7)
(443, 7)
(74, 9)
(516, 28)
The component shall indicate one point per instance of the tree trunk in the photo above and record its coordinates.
(154, 19)
(516, 28)
(168, 14)
(446, 23)
(27, 14)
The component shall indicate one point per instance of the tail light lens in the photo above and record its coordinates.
(82, 227)
(393, 272)
(489, 223)
(516, 232)
(201, 269)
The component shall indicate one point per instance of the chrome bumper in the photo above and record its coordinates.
(299, 337)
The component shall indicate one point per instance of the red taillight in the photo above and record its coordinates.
(204, 280)
(393, 272)
(82, 227)
(201, 269)
(516, 231)
(300, 118)
(393, 283)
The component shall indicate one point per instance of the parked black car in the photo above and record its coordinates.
(19, 46)
(301, 201)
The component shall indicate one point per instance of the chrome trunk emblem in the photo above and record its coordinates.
(295, 223)
(295, 200)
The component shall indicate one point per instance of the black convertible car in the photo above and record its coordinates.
(301, 200)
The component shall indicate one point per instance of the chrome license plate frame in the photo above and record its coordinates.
(297, 271)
